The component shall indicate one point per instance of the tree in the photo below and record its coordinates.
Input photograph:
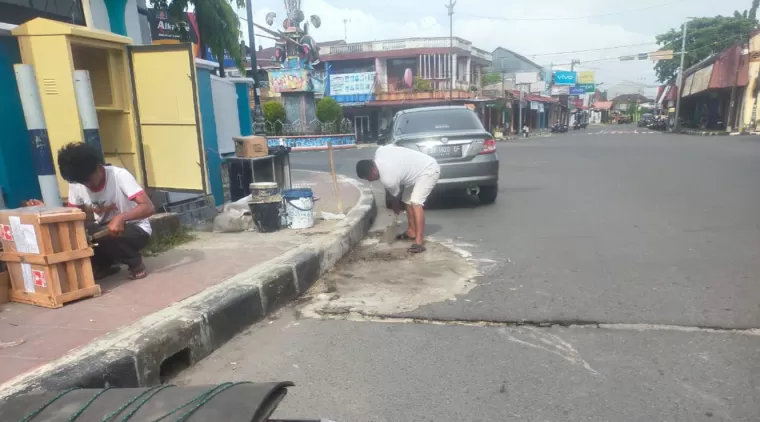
(329, 111)
(705, 36)
(218, 26)
(491, 78)
(274, 115)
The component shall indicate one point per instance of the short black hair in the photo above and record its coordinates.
(363, 168)
(77, 161)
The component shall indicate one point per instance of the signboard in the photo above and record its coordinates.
(539, 86)
(578, 103)
(526, 77)
(563, 77)
(577, 90)
(534, 105)
(585, 77)
(587, 88)
(560, 90)
(661, 55)
(166, 31)
(228, 61)
(290, 80)
(352, 83)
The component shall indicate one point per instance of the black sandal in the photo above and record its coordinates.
(417, 248)
(138, 273)
(404, 236)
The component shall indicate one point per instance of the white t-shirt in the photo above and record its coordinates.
(120, 190)
(399, 166)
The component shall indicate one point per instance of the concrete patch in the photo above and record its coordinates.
(381, 279)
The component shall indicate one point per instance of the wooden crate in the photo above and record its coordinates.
(47, 255)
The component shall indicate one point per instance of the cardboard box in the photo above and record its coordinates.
(251, 146)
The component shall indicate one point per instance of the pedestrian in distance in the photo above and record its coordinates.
(115, 200)
(417, 173)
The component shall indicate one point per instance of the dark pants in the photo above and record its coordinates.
(122, 249)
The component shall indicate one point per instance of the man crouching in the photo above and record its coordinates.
(116, 201)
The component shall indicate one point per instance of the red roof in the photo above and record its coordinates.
(602, 105)
(533, 97)
(724, 73)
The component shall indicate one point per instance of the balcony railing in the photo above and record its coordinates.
(406, 44)
(439, 91)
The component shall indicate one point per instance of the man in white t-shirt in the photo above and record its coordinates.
(416, 172)
(116, 201)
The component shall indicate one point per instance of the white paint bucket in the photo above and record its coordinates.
(299, 204)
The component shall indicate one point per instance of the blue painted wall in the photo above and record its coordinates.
(244, 109)
(208, 124)
(15, 147)
(312, 141)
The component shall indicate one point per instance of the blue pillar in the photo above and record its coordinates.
(15, 147)
(244, 105)
(208, 125)
(116, 16)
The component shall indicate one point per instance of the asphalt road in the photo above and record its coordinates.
(642, 239)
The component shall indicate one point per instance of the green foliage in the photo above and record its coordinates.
(705, 36)
(421, 85)
(491, 78)
(273, 111)
(218, 25)
(328, 110)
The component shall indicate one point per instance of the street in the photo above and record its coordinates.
(617, 280)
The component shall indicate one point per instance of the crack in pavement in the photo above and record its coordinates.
(354, 315)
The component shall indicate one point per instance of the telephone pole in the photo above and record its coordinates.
(450, 7)
(258, 114)
(346, 21)
(677, 124)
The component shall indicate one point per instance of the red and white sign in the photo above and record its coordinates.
(40, 278)
(6, 232)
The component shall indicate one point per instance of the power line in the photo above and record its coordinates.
(568, 18)
(590, 49)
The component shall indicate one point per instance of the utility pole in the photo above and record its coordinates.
(450, 7)
(677, 125)
(346, 21)
(258, 114)
(573, 62)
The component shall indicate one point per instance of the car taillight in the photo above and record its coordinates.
(489, 147)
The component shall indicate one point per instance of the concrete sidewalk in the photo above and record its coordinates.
(196, 297)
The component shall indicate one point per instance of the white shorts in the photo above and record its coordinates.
(418, 193)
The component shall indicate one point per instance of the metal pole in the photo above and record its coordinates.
(258, 115)
(451, 47)
(38, 134)
(86, 108)
(521, 107)
(677, 125)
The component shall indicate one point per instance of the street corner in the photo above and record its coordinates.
(378, 279)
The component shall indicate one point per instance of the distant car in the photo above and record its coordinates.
(624, 120)
(454, 136)
(646, 120)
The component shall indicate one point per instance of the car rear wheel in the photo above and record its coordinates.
(487, 194)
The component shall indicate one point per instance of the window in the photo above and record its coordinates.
(18, 12)
(441, 120)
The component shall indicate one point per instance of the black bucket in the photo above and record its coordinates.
(266, 216)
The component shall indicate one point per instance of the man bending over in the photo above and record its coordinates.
(116, 201)
(416, 172)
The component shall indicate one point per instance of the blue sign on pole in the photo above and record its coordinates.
(563, 77)
(577, 90)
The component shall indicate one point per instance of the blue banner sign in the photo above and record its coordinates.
(563, 77)
(577, 90)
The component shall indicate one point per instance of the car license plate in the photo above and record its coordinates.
(445, 151)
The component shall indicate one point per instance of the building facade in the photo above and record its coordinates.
(373, 80)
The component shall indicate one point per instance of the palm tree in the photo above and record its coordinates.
(218, 26)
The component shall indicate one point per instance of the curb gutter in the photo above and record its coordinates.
(187, 331)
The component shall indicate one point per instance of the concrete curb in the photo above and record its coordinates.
(188, 331)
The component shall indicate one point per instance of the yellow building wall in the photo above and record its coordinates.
(749, 93)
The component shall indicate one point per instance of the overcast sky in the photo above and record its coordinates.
(534, 28)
